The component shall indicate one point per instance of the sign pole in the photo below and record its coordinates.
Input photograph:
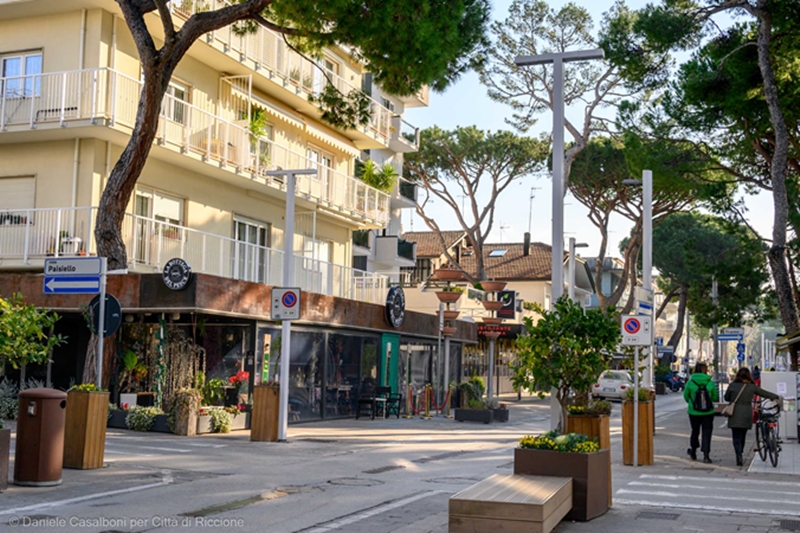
(636, 407)
(101, 327)
(286, 332)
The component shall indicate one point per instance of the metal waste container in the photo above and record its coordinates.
(39, 454)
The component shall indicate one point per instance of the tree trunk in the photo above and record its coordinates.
(90, 361)
(678, 333)
(122, 181)
(777, 252)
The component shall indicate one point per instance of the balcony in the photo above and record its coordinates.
(405, 195)
(421, 99)
(29, 236)
(361, 243)
(108, 98)
(394, 251)
(265, 52)
(405, 137)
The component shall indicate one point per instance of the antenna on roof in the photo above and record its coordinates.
(503, 227)
(530, 208)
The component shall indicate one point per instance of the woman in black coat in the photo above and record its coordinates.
(742, 418)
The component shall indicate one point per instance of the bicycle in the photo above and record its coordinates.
(767, 432)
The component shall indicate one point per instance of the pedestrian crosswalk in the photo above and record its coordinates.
(122, 447)
(743, 495)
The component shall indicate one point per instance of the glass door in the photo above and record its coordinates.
(250, 255)
(143, 208)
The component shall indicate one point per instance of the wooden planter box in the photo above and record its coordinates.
(589, 472)
(117, 419)
(5, 449)
(646, 425)
(474, 415)
(264, 420)
(85, 429)
(500, 415)
(593, 426)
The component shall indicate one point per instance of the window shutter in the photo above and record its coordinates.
(17, 193)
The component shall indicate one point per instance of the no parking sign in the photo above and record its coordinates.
(636, 330)
(285, 303)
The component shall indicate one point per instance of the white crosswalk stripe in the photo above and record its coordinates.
(737, 495)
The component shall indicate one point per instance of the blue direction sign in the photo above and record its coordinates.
(72, 285)
(730, 337)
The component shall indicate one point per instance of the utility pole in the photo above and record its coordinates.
(688, 340)
(715, 301)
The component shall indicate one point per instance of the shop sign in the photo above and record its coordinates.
(395, 306)
(509, 309)
(176, 274)
(507, 331)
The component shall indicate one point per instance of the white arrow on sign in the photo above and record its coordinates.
(52, 285)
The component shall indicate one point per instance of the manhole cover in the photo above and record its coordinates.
(355, 482)
(657, 516)
(790, 525)
(384, 469)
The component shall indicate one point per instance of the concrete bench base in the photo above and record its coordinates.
(511, 504)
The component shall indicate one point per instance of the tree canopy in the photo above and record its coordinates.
(471, 163)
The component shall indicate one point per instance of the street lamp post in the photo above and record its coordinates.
(647, 254)
(572, 246)
(288, 270)
(557, 260)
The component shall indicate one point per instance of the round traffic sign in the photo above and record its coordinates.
(632, 325)
(113, 314)
(289, 299)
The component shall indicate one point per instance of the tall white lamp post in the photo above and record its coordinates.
(572, 246)
(288, 270)
(559, 189)
(647, 254)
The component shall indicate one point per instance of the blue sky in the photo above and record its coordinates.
(466, 103)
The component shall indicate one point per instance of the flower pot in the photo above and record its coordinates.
(127, 400)
(85, 429)
(451, 315)
(240, 421)
(500, 415)
(203, 424)
(492, 306)
(160, 424)
(447, 331)
(264, 417)
(117, 419)
(491, 320)
(645, 440)
(448, 297)
(5, 449)
(493, 286)
(591, 483)
(447, 274)
(474, 415)
(491, 334)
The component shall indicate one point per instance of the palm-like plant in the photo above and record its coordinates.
(382, 178)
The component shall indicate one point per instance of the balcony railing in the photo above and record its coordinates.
(405, 249)
(407, 189)
(361, 238)
(106, 95)
(267, 50)
(34, 234)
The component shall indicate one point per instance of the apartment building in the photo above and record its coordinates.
(69, 88)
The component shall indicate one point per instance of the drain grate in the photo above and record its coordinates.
(790, 525)
(383, 469)
(649, 515)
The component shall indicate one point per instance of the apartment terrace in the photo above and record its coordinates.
(107, 98)
(266, 53)
(28, 236)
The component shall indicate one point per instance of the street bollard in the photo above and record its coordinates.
(409, 410)
(447, 403)
(427, 415)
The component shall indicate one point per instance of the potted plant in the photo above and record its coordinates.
(85, 427)
(499, 411)
(185, 410)
(142, 418)
(68, 245)
(240, 382)
(571, 455)
(592, 419)
(646, 427)
(131, 375)
(492, 286)
(116, 416)
(449, 294)
(661, 372)
(472, 408)
(214, 392)
(5, 449)
(447, 272)
(566, 349)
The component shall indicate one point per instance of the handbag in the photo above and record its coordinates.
(728, 411)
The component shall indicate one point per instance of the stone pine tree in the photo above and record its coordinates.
(764, 30)
(405, 45)
(474, 164)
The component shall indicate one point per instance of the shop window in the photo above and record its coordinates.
(20, 74)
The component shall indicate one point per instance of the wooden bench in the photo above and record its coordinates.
(511, 504)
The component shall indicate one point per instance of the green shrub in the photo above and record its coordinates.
(214, 392)
(570, 443)
(142, 418)
(86, 387)
(9, 405)
(220, 421)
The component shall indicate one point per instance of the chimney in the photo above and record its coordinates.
(526, 248)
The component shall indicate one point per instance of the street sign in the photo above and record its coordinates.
(740, 347)
(637, 330)
(665, 349)
(732, 331)
(740, 357)
(643, 295)
(74, 275)
(113, 314)
(285, 303)
(659, 341)
(644, 308)
(730, 337)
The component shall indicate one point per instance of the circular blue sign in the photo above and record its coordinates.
(289, 299)
(632, 325)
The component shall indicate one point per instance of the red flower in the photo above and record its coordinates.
(239, 377)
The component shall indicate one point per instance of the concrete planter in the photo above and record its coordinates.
(5, 450)
(500, 415)
(160, 424)
(474, 415)
(661, 388)
(238, 422)
(451, 315)
(589, 472)
(85, 429)
(117, 419)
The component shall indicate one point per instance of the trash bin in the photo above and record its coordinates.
(39, 453)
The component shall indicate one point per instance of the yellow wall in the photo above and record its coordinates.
(57, 35)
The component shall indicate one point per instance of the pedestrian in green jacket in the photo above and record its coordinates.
(700, 419)
(742, 419)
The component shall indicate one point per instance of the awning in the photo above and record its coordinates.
(278, 113)
(783, 343)
(332, 141)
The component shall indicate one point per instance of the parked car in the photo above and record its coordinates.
(672, 381)
(612, 384)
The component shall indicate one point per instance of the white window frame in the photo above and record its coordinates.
(168, 232)
(35, 84)
(321, 154)
(171, 111)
